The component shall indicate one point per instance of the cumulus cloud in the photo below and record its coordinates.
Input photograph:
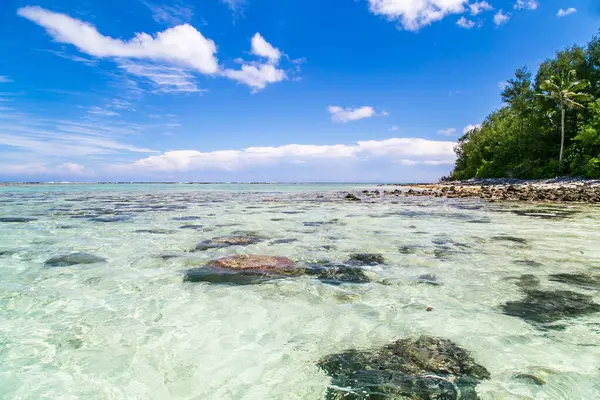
(169, 58)
(4, 79)
(262, 48)
(257, 77)
(182, 45)
(480, 6)
(465, 23)
(339, 114)
(415, 14)
(447, 132)
(411, 151)
(501, 18)
(470, 127)
(563, 13)
(526, 5)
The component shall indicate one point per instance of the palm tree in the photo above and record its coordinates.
(565, 90)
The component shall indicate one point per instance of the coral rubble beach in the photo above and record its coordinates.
(559, 190)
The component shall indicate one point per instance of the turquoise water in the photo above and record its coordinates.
(131, 328)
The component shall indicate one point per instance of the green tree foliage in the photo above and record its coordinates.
(549, 123)
(566, 91)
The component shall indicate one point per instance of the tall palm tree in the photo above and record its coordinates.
(565, 90)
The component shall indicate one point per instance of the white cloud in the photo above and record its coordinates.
(102, 112)
(480, 6)
(563, 13)
(176, 14)
(164, 79)
(259, 75)
(36, 139)
(256, 77)
(339, 114)
(35, 169)
(415, 14)
(262, 48)
(394, 128)
(4, 79)
(121, 104)
(526, 5)
(168, 59)
(235, 5)
(465, 23)
(447, 132)
(470, 127)
(182, 45)
(409, 151)
(86, 61)
(501, 18)
(72, 168)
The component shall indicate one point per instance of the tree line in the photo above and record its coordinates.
(548, 126)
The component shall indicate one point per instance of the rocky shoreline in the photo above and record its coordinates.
(553, 190)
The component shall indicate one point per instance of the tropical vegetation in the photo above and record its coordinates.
(549, 124)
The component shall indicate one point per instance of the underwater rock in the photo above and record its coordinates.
(114, 218)
(546, 213)
(366, 259)
(426, 368)
(17, 219)
(246, 262)
(351, 197)
(189, 218)
(408, 249)
(66, 226)
(528, 378)
(195, 227)
(429, 279)
(244, 270)
(480, 221)
(545, 307)
(227, 277)
(227, 241)
(529, 263)
(443, 252)
(507, 238)
(155, 231)
(337, 274)
(582, 280)
(315, 223)
(73, 259)
(284, 241)
(528, 281)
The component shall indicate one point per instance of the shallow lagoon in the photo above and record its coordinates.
(131, 328)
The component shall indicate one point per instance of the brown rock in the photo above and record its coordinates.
(245, 262)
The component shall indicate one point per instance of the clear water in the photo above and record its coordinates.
(131, 328)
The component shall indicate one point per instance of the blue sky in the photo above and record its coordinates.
(288, 90)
